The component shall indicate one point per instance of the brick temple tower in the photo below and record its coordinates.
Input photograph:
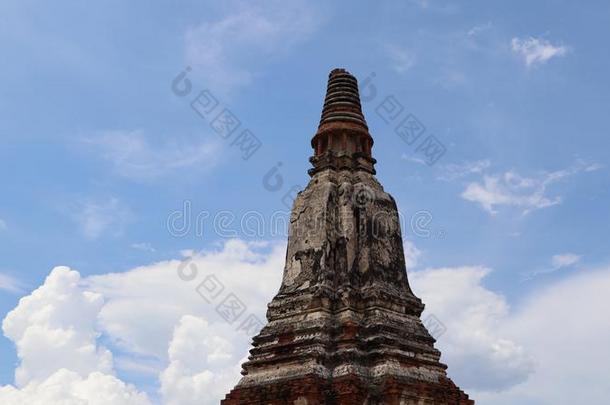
(345, 326)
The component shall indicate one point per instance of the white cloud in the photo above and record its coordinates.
(98, 217)
(10, 284)
(478, 355)
(564, 260)
(510, 189)
(203, 366)
(3, 225)
(149, 312)
(558, 262)
(60, 362)
(134, 156)
(501, 355)
(138, 365)
(143, 325)
(227, 51)
(524, 193)
(545, 351)
(452, 171)
(414, 159)
(402, 59)
(412, 254)
(536, 51)
(54, 322)
(66, 387)
(565, 327)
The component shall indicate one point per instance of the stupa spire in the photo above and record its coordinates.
(343, 139)
(342, 101)
(344, 327)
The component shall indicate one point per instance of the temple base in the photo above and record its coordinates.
(349, 390)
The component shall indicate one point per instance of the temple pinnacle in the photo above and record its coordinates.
(342, 139)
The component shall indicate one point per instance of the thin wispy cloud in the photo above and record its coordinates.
(11, 284)
(564, 260)
(477, 29)
(228, 51)
(557, 262)
(401, 59)
(536, 51)
(510, 189)
(98, 217)
(143, 246)
(3, 225)
(436, 6)
(133, 155)
(454, 171)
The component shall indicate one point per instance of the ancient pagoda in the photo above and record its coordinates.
(345, 326)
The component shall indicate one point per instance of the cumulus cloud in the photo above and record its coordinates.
(151, 312)
(524, 193)
(566, 329)
(66, 387)
(249, 271)
(133, 155)
(163, 311)
(202, 364)
(183, 326)
(228, 50)
(479, 356)
(60, 361)
(412, 254)
(54, 322)
(536, 51)
(533, 354)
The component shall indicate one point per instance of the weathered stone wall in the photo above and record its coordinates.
(345, 326)
(345, 316)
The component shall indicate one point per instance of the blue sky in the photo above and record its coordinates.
(97, 151)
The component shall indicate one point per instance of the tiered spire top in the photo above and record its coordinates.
(342, 140)
(342, 102)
